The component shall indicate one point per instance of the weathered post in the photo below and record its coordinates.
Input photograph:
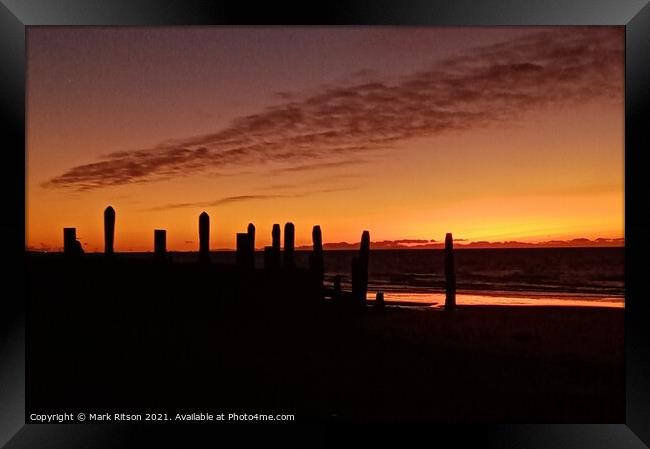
(69, 237)
(288, 256)
(204, 237)
(275, 235)
(364, 256)
(316, 262)
(317, 241)
(71, 246)
(109, 230)
(251, 242)
(159, 243)
(450, 274)
(272, 259)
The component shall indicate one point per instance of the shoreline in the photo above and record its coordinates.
(477, 298)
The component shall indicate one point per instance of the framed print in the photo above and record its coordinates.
(219, 217)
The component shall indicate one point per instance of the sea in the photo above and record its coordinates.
(521, 276)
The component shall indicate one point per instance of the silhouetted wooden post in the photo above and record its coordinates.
(450, 274)
(379, 300)
(69, 237)
(109, 230)
(251, 242)
(275, 235)
(317, 241)
(360, 270)
(71, 246)
(272, 254)
(243, 250)
(364, 256)
(288, 256)
(159, 243)
(316, 262)
(204, 237)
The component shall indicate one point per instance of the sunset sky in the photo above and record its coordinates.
(490, 133)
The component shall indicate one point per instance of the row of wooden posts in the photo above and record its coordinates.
(274, 257)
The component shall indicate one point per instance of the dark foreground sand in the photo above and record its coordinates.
(502, 364)
(157, 339)
(485, 364)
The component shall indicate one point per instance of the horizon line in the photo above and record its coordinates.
(389, 245)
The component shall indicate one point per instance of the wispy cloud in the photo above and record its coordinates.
(243, 198)
(219, 202)
(336, 125)
(321, 165)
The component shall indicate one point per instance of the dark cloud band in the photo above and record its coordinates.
(328, 128)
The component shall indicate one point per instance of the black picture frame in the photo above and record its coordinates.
(16, 15)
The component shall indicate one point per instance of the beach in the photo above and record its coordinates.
(483, 364)
(132, 334)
